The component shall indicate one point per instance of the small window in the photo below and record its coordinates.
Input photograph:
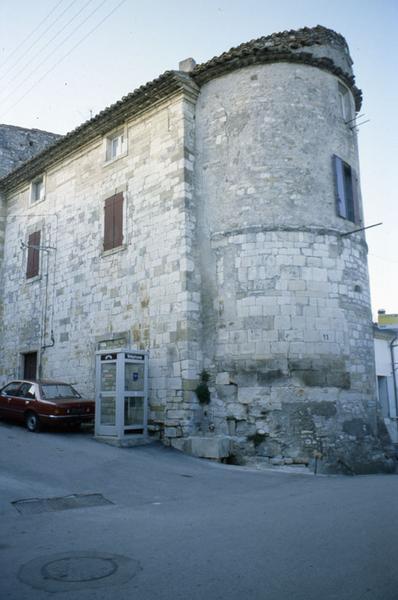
(113, 222)
(116, 145)
(33, 261)
(345, 102)
(37, 190)
(346, 197)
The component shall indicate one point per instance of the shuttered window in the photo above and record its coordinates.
(113, 222)
(346, 190)
(33, 263)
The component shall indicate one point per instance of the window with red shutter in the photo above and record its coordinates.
(33, 262)
(113, 222)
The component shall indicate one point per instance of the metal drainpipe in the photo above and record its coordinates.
(394, 375)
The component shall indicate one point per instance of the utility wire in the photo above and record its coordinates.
(54, 49)
(39, 38)
(66, 55)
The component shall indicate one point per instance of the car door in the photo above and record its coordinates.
(26, 399)
(9, 397)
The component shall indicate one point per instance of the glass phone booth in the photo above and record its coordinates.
(121, 397)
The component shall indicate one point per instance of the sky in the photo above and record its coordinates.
(62, 61)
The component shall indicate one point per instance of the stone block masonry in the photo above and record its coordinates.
(17, 145)
(239, 180)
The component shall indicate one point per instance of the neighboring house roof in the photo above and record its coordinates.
(286, 46)
(384, 333)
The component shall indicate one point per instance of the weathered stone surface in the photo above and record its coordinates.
(232, 260)
(18, 145)
(209, 447)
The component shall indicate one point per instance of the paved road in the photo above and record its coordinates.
(180, 528)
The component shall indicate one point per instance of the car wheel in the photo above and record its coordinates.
(32, 421)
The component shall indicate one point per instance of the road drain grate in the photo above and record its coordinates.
(33, 506)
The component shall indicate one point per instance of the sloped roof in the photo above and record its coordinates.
(286, 46)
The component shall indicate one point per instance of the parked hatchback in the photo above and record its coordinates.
(44, 402)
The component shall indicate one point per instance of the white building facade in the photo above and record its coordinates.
(386, 359)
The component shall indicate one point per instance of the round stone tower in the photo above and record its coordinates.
(287, 329)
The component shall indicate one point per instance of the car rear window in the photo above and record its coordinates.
(52, 391)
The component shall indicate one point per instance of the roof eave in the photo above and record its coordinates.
(142, 99)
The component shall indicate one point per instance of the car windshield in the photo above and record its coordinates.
(52, 391)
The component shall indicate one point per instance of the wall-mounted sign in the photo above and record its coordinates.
(135, 356)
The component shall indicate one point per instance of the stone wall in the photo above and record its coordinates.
(18, 145)
(287, 331)
(3, 213)
(145, 291)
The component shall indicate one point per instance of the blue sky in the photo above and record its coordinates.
(41, 87)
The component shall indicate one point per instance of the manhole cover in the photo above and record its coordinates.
(32, 506)
(78, 570)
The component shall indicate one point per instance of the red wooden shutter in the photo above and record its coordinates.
(118, 220)
(113, 222)
(33, 263)
(108, 224)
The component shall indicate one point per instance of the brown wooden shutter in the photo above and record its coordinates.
(33, 263)
(108, 224)
(118, 220)
(113, 222)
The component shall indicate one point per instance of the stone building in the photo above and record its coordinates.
(208, 217)
(18, 144)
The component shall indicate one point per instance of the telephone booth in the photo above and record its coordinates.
(121, 398)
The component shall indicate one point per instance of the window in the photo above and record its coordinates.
(116, 145)
(37, 190)
(12, 389)
(345, 102)
(27, 391)
(345, 190)
(113, 222)
(33, 262)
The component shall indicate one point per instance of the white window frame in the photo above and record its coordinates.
(345, 102)
(33, 199)
(116, 145)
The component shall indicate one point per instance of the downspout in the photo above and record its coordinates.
(394, 374)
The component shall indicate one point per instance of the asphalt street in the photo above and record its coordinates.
(151, 523)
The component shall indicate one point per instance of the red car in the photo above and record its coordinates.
(44, 402)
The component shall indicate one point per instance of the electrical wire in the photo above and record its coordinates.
(39, 38)
(54, 49)
(64, 56)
